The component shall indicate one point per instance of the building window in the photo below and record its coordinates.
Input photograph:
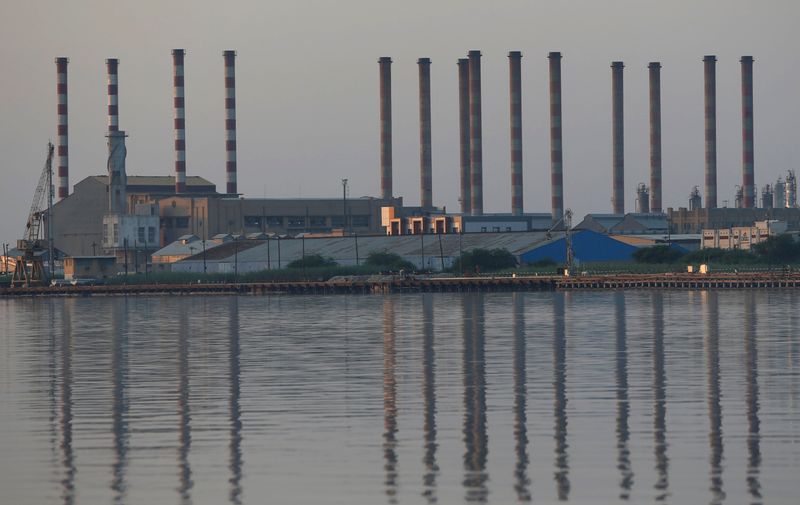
(360, 221)
(275, 220)
(317, 220)
(297, 220)
(337, 221)
(252, 221)
(495, 228)
(181, 222)
(151, 234)
(141, 234)
(483, 229)
(166, 222)
(116, 233)
(105, 233)
(508, 228)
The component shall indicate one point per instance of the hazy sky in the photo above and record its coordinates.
(307, 91)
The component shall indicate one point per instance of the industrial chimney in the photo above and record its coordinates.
(710, 94)
(385, 71)
(463, 122)
(230, 121)
(748, 177)
(475, 133)
(63, 127)
(117, 176)
(180, 121)
(515, 98)
(556, 157)
(655, 136)
(618, 139)
(425, 170)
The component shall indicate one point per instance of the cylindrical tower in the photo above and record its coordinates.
(655, 136)
(385, 70)
(180, 121)
(475, 134)
(112, 65)
(463, 122)
(748, 176)
(425, 170)
(618, 139)
(230, 121)
(556, 156)
(515, 97)
(63, 127)
(710, 94)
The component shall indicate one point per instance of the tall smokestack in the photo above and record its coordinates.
(710, 78)
(180, 121)
(618, 139)
(515, 95)
(556, 157)
(475, 135)
(655, 136)
(748, 176)
(463, 121)
(425, 175)
(112, 65)
(230, 121)
(63, 128)
(385, 66)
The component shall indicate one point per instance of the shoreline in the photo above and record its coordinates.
(397, 284)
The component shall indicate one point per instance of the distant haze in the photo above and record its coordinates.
(307, 92)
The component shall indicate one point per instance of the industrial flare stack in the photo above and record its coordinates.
(230, 122)
(748, 177)
(385, 77)
(63, 127)
(475, 134)
(655, 136)
(464, 136)
(180, 121)
(710, 99)
(618, 139)
(556, 155)
(425, 175)
(515, 99)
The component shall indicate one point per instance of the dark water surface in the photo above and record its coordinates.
(686, 397)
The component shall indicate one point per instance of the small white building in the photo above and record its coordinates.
(742, 237)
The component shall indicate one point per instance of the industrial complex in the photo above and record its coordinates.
(148, 218)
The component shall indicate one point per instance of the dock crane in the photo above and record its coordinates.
(566, 223)
(29, 269)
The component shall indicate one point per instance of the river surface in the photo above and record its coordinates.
(584, 397)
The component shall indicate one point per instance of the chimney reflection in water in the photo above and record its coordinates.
(389, 400)
(751, 395)
(659, 399)
(119, 411)
(713, 399)
(475, 438)
(67, 453)
(522, 481)
(184, 417)
(429, 400)
(235, 459)
(560, 397)
(623, 406)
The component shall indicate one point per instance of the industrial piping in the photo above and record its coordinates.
(655, 136)
(385, 70)
(425, 170)
(230, 121)
(112, 65)
(463, 122)
(710, 94)
(63, 127)
(748, 176)
(180, 121)
(556, 156)
(618, 139)
(515, 98)
(475, 134)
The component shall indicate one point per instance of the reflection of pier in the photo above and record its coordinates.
(429, 400)
(522, 481)
(751, 398)
(475, 438)
(560, 397)
(659, 400)
(389, 400)
(714, 407)
(623, 407)
(235, 458)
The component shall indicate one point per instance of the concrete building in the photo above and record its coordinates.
(683, 220)
(407, 222)
(742, 237)
(90, 267)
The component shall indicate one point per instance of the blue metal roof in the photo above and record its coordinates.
(587, 246)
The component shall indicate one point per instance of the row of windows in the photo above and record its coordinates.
(300, 221)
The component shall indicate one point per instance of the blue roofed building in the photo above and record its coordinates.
(587, 246)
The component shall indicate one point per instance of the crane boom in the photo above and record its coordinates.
(34, 224)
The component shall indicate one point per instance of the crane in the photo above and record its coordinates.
(566, 221)
(33, 242)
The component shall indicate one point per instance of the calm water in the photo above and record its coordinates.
(692, 397)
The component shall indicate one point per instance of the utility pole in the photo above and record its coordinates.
(236, 260)
(344, 205)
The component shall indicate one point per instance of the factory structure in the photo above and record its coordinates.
(121, 215)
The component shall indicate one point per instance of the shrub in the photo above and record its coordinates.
(485, 260)
(657, 254)
(312, 261)
(778, 249)
(388, 261)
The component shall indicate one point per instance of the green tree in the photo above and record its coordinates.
(486, 260)
(312, 261)
(657, 254)
(388, 261)
(778, 249)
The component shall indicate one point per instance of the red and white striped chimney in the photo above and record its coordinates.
(425, 163)
(556, 154)
(180, 121)
(515, 96)
(385, 76)
(475, 133)
(748, 177)
(230, 121)
(63, 127)
(112, 65)
(463, 123)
